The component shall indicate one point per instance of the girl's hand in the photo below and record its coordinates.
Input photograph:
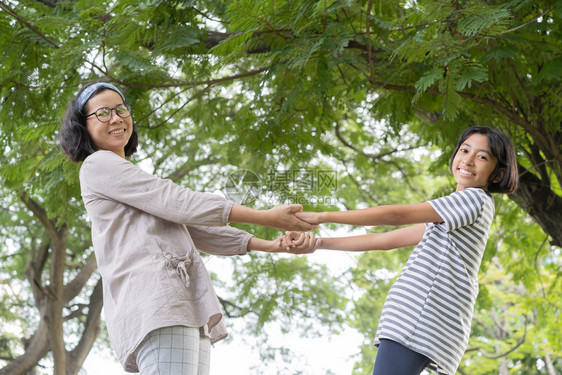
(310, 217)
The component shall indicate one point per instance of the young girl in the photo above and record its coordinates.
(161, 311)
(426, 318)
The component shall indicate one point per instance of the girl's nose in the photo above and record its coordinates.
(469, 160)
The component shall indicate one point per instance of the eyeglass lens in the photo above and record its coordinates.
(104, 114)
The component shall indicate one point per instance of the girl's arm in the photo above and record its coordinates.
(394, 239)
(379, 215)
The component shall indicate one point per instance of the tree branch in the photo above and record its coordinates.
(507, 352)
(35, 349)
(528, 22)
(34, 269)
(539, 163)
(184, 170)
(358, 185)
(209, 17)
(209, 82)
(524, 88)
(50, 3)
(40, 214)
(501, 330)
(513, 117)
(193, 97)
(77, 313)
(369, 47)
(487, 327)
(226, 305)
(12, 13)
(373, 157)
(73, 288)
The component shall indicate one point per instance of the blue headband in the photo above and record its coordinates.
(87, 93)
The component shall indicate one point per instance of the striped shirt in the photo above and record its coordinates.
(429, 308)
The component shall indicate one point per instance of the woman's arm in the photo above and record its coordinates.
(223, 241)
(281, 217)
(379, 215)
(394, 239)
(106, 176)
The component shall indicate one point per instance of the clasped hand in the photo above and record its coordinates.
(287, 217)
(298, 242)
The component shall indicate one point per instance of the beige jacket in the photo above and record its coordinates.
(146, 232)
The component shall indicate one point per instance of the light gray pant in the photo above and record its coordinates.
(176, 350)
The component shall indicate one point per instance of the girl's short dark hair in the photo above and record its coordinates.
(502, 149)
(74, 138)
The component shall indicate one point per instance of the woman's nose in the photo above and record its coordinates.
(113, 115)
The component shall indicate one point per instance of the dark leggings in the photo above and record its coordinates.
(395, 359)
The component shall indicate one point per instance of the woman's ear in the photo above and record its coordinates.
(499, 175)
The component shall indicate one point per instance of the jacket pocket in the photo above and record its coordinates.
(187, 274)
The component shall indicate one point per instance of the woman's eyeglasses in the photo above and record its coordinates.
(104, 114)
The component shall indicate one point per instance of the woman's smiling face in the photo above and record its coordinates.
(473, 163)
(114, 134)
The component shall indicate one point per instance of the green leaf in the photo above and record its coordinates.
(470, 74)
(428, 79)
(452, 100)
(499, 53)
(480, 17)
(551, 71)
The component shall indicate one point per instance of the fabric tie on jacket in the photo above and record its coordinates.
(180, 265)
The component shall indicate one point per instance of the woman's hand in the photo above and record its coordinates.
(280, 217)
(284, 217)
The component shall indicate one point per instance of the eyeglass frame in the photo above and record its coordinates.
(128, 106)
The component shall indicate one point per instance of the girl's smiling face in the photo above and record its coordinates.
(474, 163)
(113, 135)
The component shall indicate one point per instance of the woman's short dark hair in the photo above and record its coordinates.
(502, 149)
(74, 138)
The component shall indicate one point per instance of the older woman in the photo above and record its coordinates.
(161, 311)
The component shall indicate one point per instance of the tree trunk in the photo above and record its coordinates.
(550, 370)
(75, 359)
(51, 299)
(54, 317)
(541, 203)
(503, 370)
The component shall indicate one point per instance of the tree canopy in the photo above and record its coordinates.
(334, 104)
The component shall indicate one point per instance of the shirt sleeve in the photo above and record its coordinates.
(105, 175)
(220, 240)
(460, 208)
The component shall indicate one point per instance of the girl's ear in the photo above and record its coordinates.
(499, 175)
